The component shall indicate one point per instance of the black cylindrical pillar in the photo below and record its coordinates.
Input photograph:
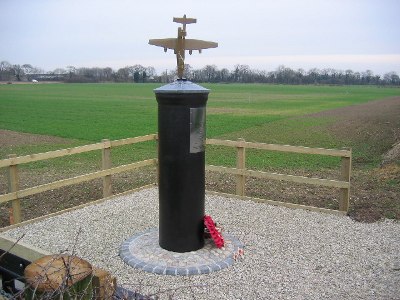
(181, 159)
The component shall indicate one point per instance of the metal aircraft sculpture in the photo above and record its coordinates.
(181, 44)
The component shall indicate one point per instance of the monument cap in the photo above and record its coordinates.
(181, 86)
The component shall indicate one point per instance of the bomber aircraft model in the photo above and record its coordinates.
(181, 44)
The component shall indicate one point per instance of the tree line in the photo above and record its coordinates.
(209, 73)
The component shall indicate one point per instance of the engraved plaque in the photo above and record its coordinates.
(197, 129)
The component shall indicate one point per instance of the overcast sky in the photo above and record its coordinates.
(340, 34)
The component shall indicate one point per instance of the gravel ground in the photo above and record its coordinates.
(289, 254)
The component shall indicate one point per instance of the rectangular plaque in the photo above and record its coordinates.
(197, 129)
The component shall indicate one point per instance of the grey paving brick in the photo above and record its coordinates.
(142, 251)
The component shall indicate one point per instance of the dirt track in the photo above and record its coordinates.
(374, 193)
(12, 138)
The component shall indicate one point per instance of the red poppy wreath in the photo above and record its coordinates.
(215, 234)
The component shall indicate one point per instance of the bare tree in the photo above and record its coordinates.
(122, 74)
(188, 71)
(151, 71)
(210, 73)
(28, 69)
(391, 78)
(108, 74)
(71, 71)
(6, 71)
(224, 75)
(18, 72)
(60, 71)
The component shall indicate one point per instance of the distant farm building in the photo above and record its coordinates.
(47, 77)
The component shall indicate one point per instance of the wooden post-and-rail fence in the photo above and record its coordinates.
(15, 194)
(241, 172)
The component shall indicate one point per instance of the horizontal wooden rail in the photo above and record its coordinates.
(14, 194)
(51, 154)
(12, 162)
(74, 180)
(134, 140)
(76, 150)
(276, 176)
(282, 148)
(241, 172)
(280, 203)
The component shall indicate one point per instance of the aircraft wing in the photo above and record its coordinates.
(165, 43)
(184, 20)
(191, 44)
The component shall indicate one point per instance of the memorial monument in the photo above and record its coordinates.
(178, 246)
(181, 154)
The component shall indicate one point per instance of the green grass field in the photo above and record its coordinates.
(88, 113)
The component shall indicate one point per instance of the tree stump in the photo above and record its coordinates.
(104, 284)
(59, 277)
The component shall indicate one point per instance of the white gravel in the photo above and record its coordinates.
(289, 254)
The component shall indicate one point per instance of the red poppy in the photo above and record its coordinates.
(215, 234)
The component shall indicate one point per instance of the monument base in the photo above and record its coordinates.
(142, 251)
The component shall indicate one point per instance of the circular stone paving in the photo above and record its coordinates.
(142, 251)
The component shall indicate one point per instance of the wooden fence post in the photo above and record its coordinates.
(106, 164)
(13, 186)
(240, 164)
(345, 192)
